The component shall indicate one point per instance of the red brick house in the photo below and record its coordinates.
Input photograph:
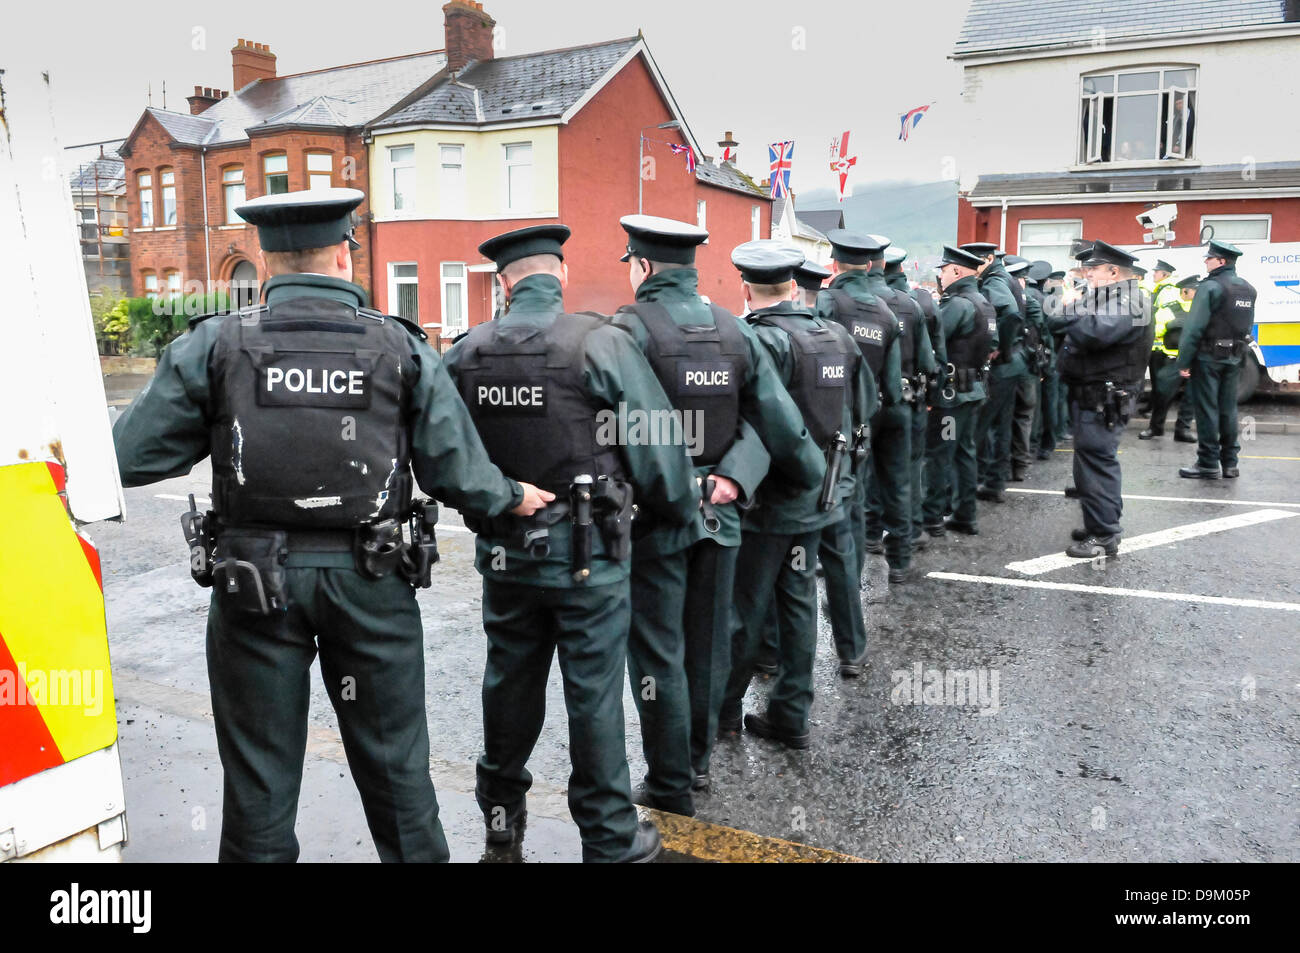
(496, 143)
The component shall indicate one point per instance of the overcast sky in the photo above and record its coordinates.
(767, 71)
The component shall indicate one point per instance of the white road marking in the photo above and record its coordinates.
(1175, 534)
(201, 501)
(1166, 499)
(1117, 591)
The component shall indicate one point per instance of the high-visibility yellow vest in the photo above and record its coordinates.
(1174, 309)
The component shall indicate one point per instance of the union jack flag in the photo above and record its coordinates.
(910, 119)
(690, 155)
(781, 155)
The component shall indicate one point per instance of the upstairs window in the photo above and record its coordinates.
(275, 170)
(401, 159)
(320, 170)
(519, 177)
(145, 181)
(1049, 240)
(701, 213)
(1138, 115)
(755, 222)
(167, 179)
(232, 185)
(452, 181)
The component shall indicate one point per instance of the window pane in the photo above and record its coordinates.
(1239, 229)
(755, 222)
(521, 187)
(277, 184)
(169, 204)
(408, 301)
(174, 281)
(453, 270)
(1098, 84)
(233, 175)
(451, 155)
(278, 163)
(405, 271)
(318, 180)
(1180, 77)
(146, 180)
(1043, 233)
(320, 162)
(404, 188)
(146, 208)
(1134, 82)
(519, 152)
(168, 178)
(234, 199)
(452, 318)
(1136, 126)
(398, 154)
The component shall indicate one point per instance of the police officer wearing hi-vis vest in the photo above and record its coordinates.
(822, 371)
(740, 421)
(1213, 345)
(1103, 362)
(1163, 366)
(315, 410)
(550, 394)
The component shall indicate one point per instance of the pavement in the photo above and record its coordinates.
(1015, 707)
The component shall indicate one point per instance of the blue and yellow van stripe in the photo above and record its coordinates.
(1279, 343)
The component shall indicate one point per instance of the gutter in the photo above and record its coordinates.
(1112, 198)
(207, 245)
(1151, 42)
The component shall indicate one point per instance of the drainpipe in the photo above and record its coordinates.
(1002, 239)
(207, 248)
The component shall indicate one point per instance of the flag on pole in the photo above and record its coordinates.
(728, 153)
(910, 119)
(841, 161)
(781, 156)
(690, 155)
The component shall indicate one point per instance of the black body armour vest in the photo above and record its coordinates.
(971, 351)
(1124, 362)
(701, 368)
(872, 326)
(909, 316)
(309, 424)
(525, 389)
(1032, 336)
(925, 301)
(824, 364)
(1235, 315)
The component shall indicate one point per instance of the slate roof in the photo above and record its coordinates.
(1268, 175)
(343, 96)
(512, 88)
(1012, 25)
(823, 219)
(727, 176)
(112, 174)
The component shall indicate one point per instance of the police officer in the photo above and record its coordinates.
(821, 369)
(1104, 360)
(1163, 289)
(315, 410)
(1035, 357)
(1165, 381)
(993, 437)
(838, 552)
(1042, 435)
(927, 450)
(550, 394)
(969, 328)
(1057, 317)
(719, 378)
(1210, 352)
(858, 304)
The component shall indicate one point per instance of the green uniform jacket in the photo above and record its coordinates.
(939, 347)
(165, 431)
(1209, 294)
(771, 430)
(785, 507)
(923, 352)
(958, 317)
(995, 284)
(615, 373)
(855, 285)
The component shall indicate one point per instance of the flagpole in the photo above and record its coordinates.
(640, 159)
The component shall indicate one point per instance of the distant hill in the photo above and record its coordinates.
(920, 216)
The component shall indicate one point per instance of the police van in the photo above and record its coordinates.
(1273, 359)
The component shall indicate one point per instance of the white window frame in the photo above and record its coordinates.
(393, 167)
(231, 216)
(701, 213)
(755, 222)
(166, 191)
(1020, 232)
(394, 281)
(507, 165)
(452, 200)
(315, 175)
(149, 281)
(451, 330)
(267, 175)
(1251, 217)
(144, 186)
(1092, 134)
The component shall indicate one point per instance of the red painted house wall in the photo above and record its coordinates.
(1116, 222)
(598, 155)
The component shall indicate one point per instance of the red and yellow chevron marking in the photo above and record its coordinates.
(56, 693)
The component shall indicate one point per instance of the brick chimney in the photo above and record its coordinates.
(728, 145)
(251, 61)
(468, 32)
(204, 96)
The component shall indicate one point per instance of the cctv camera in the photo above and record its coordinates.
(1161, 215)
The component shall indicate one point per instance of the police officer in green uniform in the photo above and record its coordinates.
(739, 418)
(927, 451)
(1042, 436)
(838, 553)
(1165, 380)
(1008, 368)
(315, 410)
(969, 329)
(1104, 360)
(1213, 343)
(858, 302)
(1054, 313)
(550, 394)
(822, 371)
(1036, 357)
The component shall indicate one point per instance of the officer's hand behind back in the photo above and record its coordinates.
(534, 499)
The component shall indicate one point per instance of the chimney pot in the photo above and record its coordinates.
(198, 90)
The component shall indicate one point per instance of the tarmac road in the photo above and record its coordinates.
(1157, 723)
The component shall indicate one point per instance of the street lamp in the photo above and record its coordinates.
(640, 157)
